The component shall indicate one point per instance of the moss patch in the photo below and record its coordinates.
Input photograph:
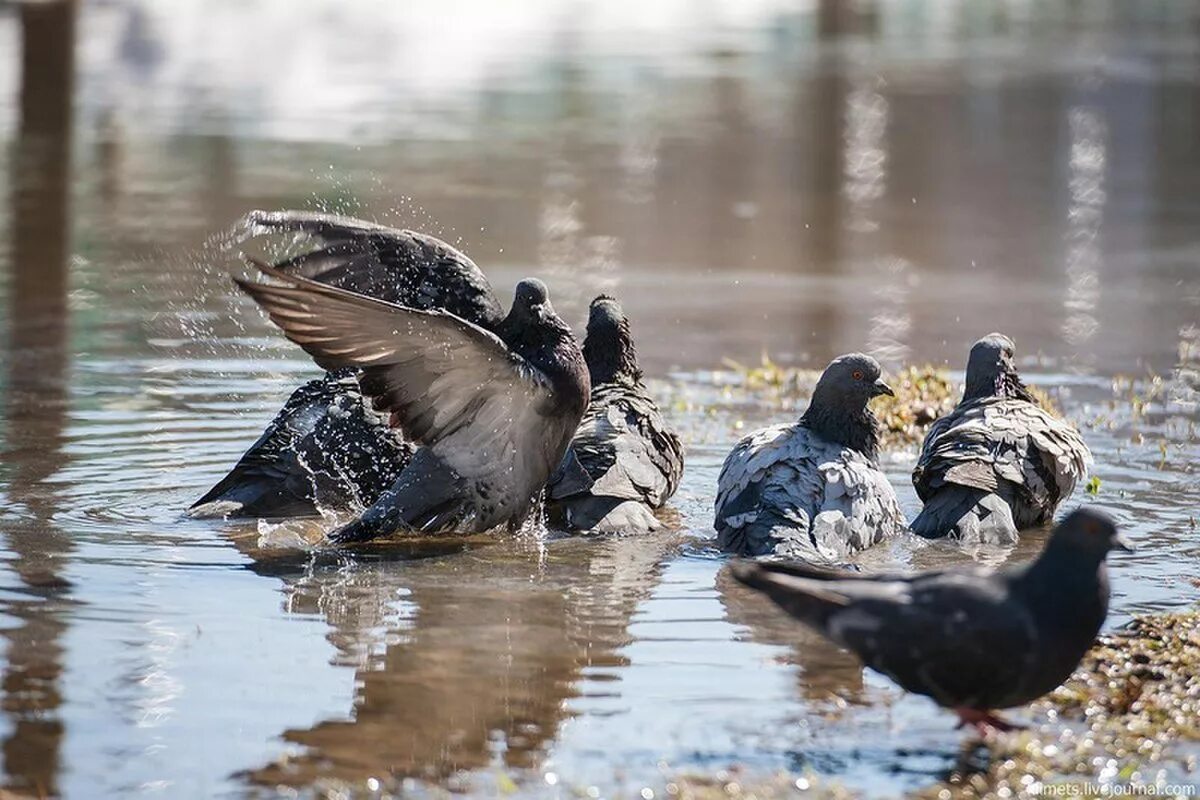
(923, 393)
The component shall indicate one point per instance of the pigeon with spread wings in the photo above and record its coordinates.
(494, 412)
(325, 449)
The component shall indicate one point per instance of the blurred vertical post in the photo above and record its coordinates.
(43, 154)
(37, 396)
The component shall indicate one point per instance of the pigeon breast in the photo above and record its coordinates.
(784, 490)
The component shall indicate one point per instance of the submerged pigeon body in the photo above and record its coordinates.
(493, 412)
(972, 640)
(998, 463)
(624, 460)
(325, 448)
(812, 490)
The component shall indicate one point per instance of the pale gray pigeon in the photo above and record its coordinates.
(972, 640)
(812, 489)
(997, 463)
(624, 461)
(494, 412)
(325, 448)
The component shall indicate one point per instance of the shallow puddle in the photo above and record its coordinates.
(901, 184)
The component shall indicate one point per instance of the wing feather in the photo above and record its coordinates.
(400, 266)
(984, 443)
(441, 378)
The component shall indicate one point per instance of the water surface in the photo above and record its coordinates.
(758, 177)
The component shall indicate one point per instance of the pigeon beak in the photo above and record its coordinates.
(1123, 544)
(883, 388)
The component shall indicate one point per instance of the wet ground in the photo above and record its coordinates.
(756, 178)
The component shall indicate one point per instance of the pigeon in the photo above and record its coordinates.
(972, 640)
(998, 463)
(812, 489)
(624, 461)
(493, 412)
(325, 449)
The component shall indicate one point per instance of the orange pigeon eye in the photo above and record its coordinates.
(857, 375)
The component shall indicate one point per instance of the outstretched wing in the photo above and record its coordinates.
(438, 376)
(399, 266)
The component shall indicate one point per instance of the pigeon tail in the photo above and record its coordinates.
(428, 496)
(251, 490)
(604, 514)
(973, 516)
(810, 600)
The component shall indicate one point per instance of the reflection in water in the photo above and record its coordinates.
(866, 157)
(640, 140)
(864, 188)
(469, 660)
(827, 675)
(1085, 214)
(36, 402)
(578, 264)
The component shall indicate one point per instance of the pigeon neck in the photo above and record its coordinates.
(1004, 385)
(551, 347)
(857, 429)
(611, 358)
(1067, 572)
(1070, 590)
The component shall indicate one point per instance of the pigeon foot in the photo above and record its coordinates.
(984, 721)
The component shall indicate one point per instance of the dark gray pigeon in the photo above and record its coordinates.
(975, 641)
(494, 412)
(812, 489)
(997, 463)
(325, 448)
(624, 460)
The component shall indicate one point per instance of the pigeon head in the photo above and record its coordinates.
(531, 300)
(532, 321)
(991, 371)
(852, 378)
(535, 332)
(1087, 532)
(839, 412)
(608, 349)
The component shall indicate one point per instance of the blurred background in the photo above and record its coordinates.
(752, 176)
(817, 176)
